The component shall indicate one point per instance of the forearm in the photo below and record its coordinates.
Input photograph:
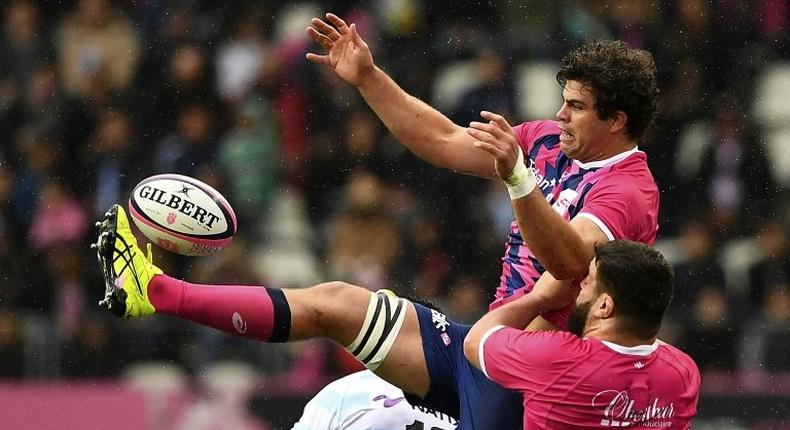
(555, 243)
(422, 129)
(518, 314)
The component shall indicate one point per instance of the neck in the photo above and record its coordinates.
(617, 147)
(609, 333)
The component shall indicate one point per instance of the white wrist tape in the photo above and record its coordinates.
(521, 181)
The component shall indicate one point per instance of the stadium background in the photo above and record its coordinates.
(96, 95)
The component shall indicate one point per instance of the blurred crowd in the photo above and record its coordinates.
(95, 95)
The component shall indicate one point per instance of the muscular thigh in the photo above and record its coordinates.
(405, 365)
(337, 310)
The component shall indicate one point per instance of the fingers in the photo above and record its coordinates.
(487, 138)
(496, 131)
(320, 38)
(342, 28)
(326, 29)
(318, 59)
(497, 119)
(355, 36)
(495, 151)
(326, 35)
(487, 127)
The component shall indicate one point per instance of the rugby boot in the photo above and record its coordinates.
(126, 270)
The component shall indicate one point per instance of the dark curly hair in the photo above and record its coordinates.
(620, 78)
(640, 280)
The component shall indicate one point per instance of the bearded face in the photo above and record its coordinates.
(578, 318)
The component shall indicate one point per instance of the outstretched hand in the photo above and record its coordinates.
(498, 139)
(347, 53)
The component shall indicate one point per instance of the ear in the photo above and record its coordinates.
(618, 122)
(604, 307)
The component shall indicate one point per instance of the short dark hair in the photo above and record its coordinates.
(640, 281)
(621, 79)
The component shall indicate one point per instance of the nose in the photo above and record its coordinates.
(562, 114)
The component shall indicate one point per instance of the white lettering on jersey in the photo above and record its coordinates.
(439, 320)
(564, 201)
(618, 411)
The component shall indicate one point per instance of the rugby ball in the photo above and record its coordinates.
(182, 214)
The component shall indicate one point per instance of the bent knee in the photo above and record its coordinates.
(335, 308)
(340, 293)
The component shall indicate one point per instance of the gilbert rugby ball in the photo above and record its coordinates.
(182, 214)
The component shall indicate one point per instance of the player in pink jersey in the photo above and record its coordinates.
(588, 184)
(586, 166)
(610, 371)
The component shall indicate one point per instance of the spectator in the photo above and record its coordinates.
(40, 160)
(362, 240)
(187, 80)
(774, 266)
(59, 220)
(12, 346)
(112, 157)
(241, 59)
(249, 156)
(465, 300)
(736, 179)
(709, 339)
(25, 52)
(191, 146)
(765, 344)
(699, 268)
(98, 49)
(494, 91)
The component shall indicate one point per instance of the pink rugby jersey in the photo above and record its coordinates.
(619, 195)
(573, 383)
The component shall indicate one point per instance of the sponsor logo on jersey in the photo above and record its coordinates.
(564, 201)
(543, 182)
(238, 323)
(389, 402)
(619, 411)
(439, 320)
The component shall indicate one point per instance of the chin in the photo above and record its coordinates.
(568, 149)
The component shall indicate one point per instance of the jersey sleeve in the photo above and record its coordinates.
(526, 360)
(623, 209)
(529, 132)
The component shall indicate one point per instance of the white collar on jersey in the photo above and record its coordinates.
(608, 161)
(633, 350)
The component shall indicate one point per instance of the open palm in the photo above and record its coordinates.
(347, 53)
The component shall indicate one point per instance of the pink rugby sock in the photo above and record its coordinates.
(258, 313)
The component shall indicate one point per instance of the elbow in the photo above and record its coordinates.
(570, 270)
(471, 346)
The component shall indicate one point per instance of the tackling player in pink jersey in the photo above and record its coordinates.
(610, 371)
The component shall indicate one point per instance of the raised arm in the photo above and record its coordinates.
(421, 128)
